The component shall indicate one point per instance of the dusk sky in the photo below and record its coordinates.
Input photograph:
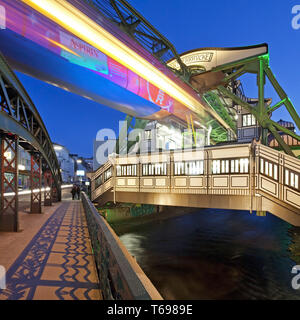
(74, 121)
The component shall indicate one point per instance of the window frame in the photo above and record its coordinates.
(185, 174)
(246, 115)
(100, 177)
(105, 179)
(145, 172)
(124, 169)
(270, 164)
(230, 169)
(289, 179)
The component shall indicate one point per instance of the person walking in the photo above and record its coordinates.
(73, 191)
(78, 192)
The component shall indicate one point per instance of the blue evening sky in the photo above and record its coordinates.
(74, 121)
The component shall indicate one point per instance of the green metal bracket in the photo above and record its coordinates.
(283, 96)
(276, 106)
(281, 142)
(260, 66)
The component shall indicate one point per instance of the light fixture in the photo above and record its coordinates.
(21, 167)
(58, 147)
(7, 155)
(77, 23)
(79, 161)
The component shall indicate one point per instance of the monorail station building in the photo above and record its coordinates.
(236, 157)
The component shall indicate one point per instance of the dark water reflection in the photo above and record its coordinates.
(213, 254)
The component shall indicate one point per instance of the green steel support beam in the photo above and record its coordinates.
(283, 96)
(280, 141)
(236, 99)
(260, 66)
(261, 80)
(261, 110)
(236, 74)
(285, 130)
(236, 64)
(276, 106)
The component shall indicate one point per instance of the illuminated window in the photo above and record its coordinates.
(107, 174)
(244, 165)
(266, 168)
(292, 180)
(235, 166)
(230, 166)
(287, 180)
(248, 120)
(216, 167)
(119, 171)
(98, 181)
(269, 169)
(189, 168)
(127, 170)
(225, 166)
(275, 172)
(148, 135)
(157, 169)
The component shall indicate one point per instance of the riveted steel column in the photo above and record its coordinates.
(9, 218)
(55, 195)
(36, 183)
(48, 181)
(261, 81)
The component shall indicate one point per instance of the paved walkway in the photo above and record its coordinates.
(57, 264)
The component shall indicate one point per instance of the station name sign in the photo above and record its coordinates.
(192, 59)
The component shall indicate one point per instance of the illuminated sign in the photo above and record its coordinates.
(207, 59)
(192, 59)
(80, 173)
(85, 55)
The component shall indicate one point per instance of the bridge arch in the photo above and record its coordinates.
(21, 125)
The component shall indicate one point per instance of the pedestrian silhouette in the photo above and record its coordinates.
(78, 192)
(74, 191)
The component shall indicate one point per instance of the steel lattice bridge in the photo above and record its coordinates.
(107, 52)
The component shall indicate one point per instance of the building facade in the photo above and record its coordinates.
(66, 163)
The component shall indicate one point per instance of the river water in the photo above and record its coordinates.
(217, 254)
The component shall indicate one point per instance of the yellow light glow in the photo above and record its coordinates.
(62, 46)
(21, 167)
(7, 155)
(71, 19)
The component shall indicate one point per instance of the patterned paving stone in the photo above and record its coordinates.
(57, 264)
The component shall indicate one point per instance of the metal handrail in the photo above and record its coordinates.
(121, 278)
